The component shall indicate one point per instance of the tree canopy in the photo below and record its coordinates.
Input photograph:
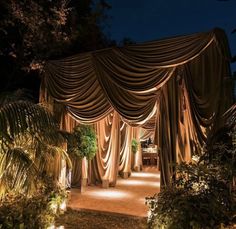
(33, 31)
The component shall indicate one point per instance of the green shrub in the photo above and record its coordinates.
(199, 201)
(83, 142)
(201, 196)
(134, 145)
(37, 211)
(30, 141)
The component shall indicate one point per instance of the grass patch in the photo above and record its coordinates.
(86, 219)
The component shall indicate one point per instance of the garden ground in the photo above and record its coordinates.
(122, 206)
(90, 219)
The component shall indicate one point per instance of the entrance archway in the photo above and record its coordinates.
(176, 84)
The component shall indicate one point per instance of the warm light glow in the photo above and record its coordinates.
(142, 200)
(109, 194)
(54, 227)
(63, 206)
(195, 158)
(139, 183)
(54, 207)
(141, 174)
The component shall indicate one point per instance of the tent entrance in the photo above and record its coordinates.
(178, 82)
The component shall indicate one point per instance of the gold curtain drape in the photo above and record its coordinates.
(177, 82)
(83, 82)
(125, 150)
(105, 164)
(67, 123)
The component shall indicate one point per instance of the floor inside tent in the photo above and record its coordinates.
(127, 197)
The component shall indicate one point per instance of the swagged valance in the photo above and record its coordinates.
(173, 86)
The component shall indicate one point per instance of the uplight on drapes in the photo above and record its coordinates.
(174, 87)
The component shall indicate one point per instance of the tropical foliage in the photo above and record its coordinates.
(202, 196)
(37, 211)
(134, 145)
(34, 30)
(30, 146)
(82, 142)
(29, 142)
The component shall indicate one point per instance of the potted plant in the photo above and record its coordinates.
(83, 144)
(136, 155)
(134, 145)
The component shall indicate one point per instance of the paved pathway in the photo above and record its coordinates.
(128, 197)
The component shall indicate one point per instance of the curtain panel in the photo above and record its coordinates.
(174, 87)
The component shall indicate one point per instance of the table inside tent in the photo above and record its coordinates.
(150, 155)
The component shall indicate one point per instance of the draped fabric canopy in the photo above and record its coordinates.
(174, 87)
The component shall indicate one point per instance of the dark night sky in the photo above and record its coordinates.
(145, 20)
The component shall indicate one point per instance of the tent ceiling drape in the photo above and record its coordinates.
(177, 84)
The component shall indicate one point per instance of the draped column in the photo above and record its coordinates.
(186, 138)
(140, 81)
(128, 159)
(75, 175)
(137, 162)
(125, 150)
(107, 157)
(166, 130)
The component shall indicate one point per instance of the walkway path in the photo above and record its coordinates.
(128, 197)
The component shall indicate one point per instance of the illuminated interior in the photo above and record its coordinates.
(139, 183)
(127, 197)
(109, 194)
(141, 174)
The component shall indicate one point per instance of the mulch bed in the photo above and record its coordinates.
(87, 219)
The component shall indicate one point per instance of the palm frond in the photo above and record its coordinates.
(13, 96)
(18, 117)
(17, 169)
(230, 116)
(30, 141)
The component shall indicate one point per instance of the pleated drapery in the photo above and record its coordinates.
(125, 151)
(174, 87)
(107, 157)
(129, 160)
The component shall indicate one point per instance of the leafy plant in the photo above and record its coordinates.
(202, 194)
(29, 142)
(33, 31)
(27, 27)
(134, 145)
(83, 142)
(21, 211)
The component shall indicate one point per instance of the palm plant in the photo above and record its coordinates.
(29, 143)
